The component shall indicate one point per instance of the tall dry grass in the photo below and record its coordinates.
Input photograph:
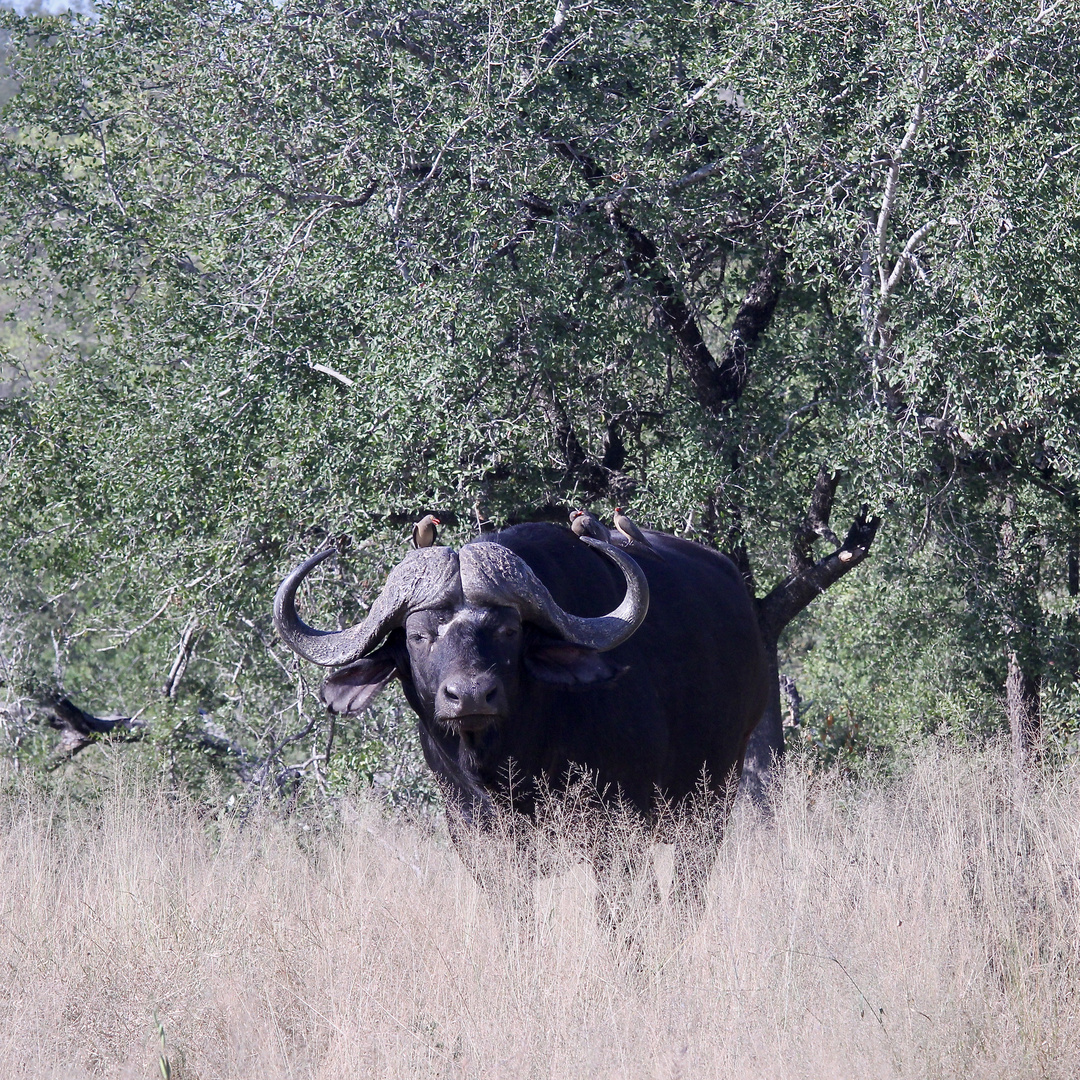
(924, 927)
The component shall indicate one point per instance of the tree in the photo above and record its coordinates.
(336, 265)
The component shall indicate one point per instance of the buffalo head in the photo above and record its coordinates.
(462, 629)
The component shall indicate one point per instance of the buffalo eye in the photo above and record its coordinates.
(418, 636)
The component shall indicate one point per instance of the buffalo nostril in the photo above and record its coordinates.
(475, 695)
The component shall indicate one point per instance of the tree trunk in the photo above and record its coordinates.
(1022, 705)
(1071, 620)
(806, 579)
(766, 746)
(1018, 557)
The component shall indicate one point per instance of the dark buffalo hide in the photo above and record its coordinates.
(504, 704)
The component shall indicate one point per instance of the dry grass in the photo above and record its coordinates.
(926, 927)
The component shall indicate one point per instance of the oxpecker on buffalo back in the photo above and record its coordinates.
(630, 532)
(424, 533)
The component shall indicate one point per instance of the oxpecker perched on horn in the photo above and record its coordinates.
(584, 524)
(424, 533)
(629, 530)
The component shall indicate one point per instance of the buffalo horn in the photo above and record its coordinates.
(493, 574)
(424, 578)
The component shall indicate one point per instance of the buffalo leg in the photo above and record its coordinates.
(500, 851)
(627, 892)
(696, 836)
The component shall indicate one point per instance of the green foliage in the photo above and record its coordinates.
(894, 654)
(304, 270)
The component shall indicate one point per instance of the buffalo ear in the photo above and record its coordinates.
(351, 689)
(563, 664)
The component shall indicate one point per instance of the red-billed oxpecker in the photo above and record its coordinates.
(584, 524)
(424, 533)
(632, 534)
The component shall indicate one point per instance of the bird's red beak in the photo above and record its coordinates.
(436, 521)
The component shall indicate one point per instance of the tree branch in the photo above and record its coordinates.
(716, 382)
(943, 428)
(183, 656)
(577, 463)
(695, 177)
(399, 41)
(798, 589)
(79, 729)
(557, 28)
(816, 523)
(889, 196)
(753, 318)
(326, 369)
(905, 257)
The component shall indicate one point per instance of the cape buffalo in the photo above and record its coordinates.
(532, 654)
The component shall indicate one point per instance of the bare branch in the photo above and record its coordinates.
(905, 256)
(816, 523)
(889, 196)
(696, 177)
(798, 589)
(325, 369)
(558, 27)
(99, 132)
(183, 656)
